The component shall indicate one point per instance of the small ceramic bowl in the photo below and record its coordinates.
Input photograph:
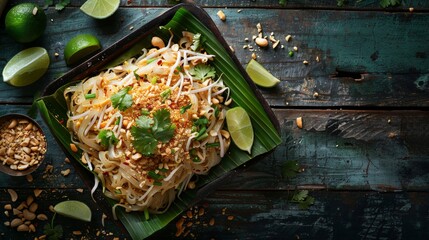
(23, 144)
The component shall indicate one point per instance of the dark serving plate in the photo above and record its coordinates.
(266, 127)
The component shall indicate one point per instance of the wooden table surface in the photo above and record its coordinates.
(363, 98)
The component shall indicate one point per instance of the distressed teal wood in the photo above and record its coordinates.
(366, 166)
(381, 47)
(419, 5)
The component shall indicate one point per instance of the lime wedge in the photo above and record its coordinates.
(260, 76)
(240, 128)
(26, 67)
(74, 209)
(100, 9)
(80, 47)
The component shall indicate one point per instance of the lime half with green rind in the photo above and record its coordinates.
(100, 9)
(26, 67)
(240, 128)
(74, 209)
(260, 75)
(80, 47)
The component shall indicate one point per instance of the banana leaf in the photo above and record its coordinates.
(53, 109)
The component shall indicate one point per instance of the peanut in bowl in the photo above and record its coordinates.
(22, 145)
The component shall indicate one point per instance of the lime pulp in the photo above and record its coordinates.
(260, 75)
(240, 128)
(100, 9)
(74, 209)
(26, 67)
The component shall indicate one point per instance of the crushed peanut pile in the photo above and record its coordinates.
(22, 144)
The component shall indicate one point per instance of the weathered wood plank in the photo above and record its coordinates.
(335, 215)
(51, 196)
(419, 5)
(353, 150)
(262, 214)
(388, 49)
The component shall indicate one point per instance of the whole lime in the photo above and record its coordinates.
(25, 22)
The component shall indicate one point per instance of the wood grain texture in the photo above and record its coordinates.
(419, 5)
(381, 48)
(346, 150)
(366, 166)
(335, 215)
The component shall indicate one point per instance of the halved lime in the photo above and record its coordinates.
(74, 209)
(240, 128)
(80, 47)
(100, 9)
(26, 67)
(260, 76)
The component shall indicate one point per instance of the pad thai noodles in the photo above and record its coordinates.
(147, 126)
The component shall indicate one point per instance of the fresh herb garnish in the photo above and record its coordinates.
(59, 6)
(136, 75)
(89, 95)
(303, 199)
(202, 72)
(196, 42)
(290, 169)
(154, 175)
(165, 94)
(122, 100)
(184, 108)
(53, 232)
(383, 3)
(107, 138)
(154, 80)
(148, 132)
(145, 111)
(215, 144)
(202, 121)
(387, 3)
(118, 120)
(216, 110)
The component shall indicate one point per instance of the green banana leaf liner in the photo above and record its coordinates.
(53, 109)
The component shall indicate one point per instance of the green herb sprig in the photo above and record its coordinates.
(149, 131)
(122, 100)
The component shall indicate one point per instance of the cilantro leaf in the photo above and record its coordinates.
(163, 130)
(53, 233)
(387, 3)
(300, 196)
(306, 203)
(143, 142)
(340, 3)
(148, 132)
(107, 138)
(303, 199)
(144, 122)
(61, 4)
(122, 100)
(290, 169)
(202, 72)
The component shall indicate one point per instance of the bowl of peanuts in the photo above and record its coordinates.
(22, 144)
